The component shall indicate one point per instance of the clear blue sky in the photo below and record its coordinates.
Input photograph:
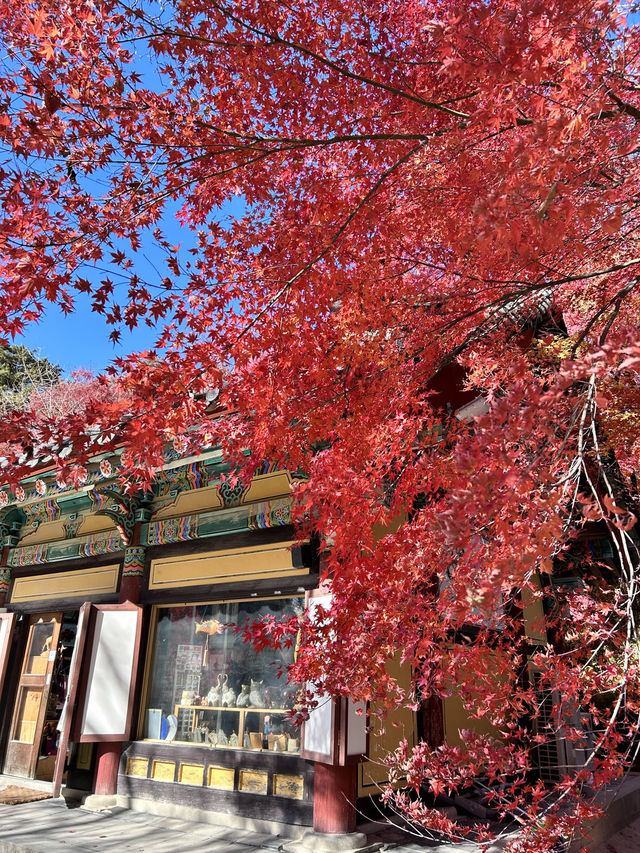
(81, 339)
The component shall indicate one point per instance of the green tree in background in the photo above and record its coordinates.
(22, 371)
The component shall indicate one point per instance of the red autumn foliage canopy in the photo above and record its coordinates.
(424, 182)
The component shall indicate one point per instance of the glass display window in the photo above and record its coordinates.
(207, 687)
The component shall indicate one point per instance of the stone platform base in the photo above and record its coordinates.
(331, 842)
(100, 802)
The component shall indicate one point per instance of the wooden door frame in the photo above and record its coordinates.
(70, 700)
(41, 681)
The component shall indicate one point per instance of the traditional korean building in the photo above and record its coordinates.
(121, 674)
(120, 670)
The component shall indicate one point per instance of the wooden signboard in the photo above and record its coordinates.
(336, 731)
(109, 674)
(319, 732)
(353, 738)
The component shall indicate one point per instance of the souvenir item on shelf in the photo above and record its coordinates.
(233, 739)
(247, 741)
(256, 696)
(292, 744)
(256, 740)
(243, 697)
(154, 724)
(188, 697)
(221, 738)
(172, 727)
(228, 694)
(213, 738)
(268, 697)
(214, 696)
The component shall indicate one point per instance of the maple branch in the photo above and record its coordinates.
(305, 142)
(617, 299)
(628, 109)
(277, 39)
(329, 245)
(527, 286)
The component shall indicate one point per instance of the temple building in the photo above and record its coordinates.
(121, 670)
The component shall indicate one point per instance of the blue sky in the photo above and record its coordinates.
(82, 339)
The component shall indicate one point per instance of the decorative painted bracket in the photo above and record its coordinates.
(231, 496)
(11, 521)
(124, 509)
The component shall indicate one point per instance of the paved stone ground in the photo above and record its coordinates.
(627, 840)
(48, 826)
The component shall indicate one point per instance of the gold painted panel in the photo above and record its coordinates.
(48, 531)
(268, 486)
(253, 781)
(188, 503)
(288, 786)
(221, 778)
(66, 584)
(164, 770)
(233, 564)
(384, 736)
(84, 756)
(94, 524)
(191, 774)
(137, 767)
(533, 614)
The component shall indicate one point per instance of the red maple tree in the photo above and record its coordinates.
(440, 203)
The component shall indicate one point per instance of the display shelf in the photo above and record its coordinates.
(248, 709)
(198, 712)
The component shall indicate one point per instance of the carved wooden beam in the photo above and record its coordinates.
(124, 509)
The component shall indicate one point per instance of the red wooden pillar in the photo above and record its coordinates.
(107, 761)
(334, 798)
(432, 721)
(105, 781)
